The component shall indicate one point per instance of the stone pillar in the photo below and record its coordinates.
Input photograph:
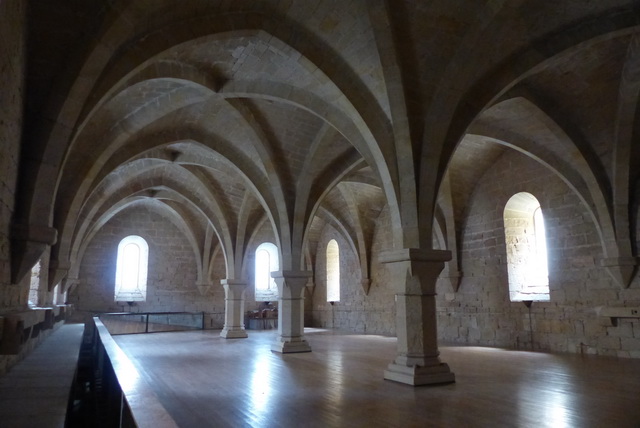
(233, 309)
(415, 272)
(291, 286)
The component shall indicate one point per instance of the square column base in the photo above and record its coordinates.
(419, 375)
(233, 334)
(291, 347)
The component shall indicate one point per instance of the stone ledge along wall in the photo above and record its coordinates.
(480, 313)
(172, 275)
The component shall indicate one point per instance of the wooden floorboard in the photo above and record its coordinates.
(207, 381)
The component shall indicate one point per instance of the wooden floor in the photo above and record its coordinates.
(206, 381)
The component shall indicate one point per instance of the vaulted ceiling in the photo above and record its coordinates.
(227, 114)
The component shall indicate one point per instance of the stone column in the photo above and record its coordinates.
(291, 286)
(233, 309)
(414, 273)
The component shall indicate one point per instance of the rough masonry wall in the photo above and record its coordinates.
(356, 311)
(480, 313)
(12, 65)
(172, 271)
(13, 297)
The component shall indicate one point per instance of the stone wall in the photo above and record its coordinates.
(12, 70)
(481, 313)
(13, 297)
(172, 270)
(356, 311)
(372, 312)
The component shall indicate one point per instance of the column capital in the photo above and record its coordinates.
(291, 284)
(234, 289)
(415, 270)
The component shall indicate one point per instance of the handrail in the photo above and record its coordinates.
(144, 319)
(151, 313)
(136, 396)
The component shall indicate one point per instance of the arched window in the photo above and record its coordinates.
(56, 294)
(34, 287)
(333, 271)
(541, 246)
(267, 261)
(131, 270)
(526, 243)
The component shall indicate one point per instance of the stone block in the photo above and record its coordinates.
(474, 335)
(487, 335)
(623, 329)
(630, 344)
(607, 342)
